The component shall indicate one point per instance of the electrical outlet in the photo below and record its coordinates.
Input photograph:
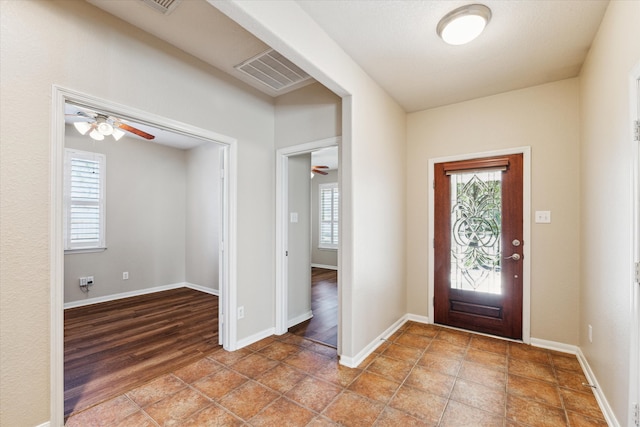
(241, 312)
(590, 334)
(125, 275)
(89, 280)
(83, 281)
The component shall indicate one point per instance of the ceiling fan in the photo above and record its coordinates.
(318, 170)
(99, 125)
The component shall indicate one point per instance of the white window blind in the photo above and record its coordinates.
(84, 186)
(328, 233)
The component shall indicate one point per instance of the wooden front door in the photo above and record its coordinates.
(478, 245)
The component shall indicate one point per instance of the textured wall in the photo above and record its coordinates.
(606, 177)
(145, 219)
(203, 216)
(546, 119)
(75, 45)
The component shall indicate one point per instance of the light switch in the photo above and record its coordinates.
(543, 217)
(294, 216)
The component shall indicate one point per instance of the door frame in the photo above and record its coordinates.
(634, 339)
(282, 228)
(227, 255)
(526, 228)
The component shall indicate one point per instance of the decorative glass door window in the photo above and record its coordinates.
(476, 218)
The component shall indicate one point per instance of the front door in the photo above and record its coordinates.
(478, 245)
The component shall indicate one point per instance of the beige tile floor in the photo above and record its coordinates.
(424, 375)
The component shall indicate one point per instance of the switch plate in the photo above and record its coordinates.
(125, 275)
(294, 217)
(590, 334)
(543, 217)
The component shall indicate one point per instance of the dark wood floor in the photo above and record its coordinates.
(323, 326)
(112, 347)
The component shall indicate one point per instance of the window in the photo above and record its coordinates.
(329, 197)
(84, 204)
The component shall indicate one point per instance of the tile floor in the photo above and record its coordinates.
(424, 375)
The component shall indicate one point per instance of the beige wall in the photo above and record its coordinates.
(299, 244)
(75, 45)
(372, 161)
(162, 219)
(546, 119)
(308, 114)
(605, 161)
(203, 216)
(145, 219)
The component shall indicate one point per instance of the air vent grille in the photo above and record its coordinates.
(273, 69)
(162, 6)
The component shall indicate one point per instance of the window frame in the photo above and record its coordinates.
(333, 186)
(99, 244)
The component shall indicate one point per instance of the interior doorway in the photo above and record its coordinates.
(302, 230)
(119, 116)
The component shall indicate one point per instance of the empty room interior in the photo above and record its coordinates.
(319, 213)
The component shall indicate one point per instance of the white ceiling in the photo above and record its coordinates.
(527, 42)
(325, 157)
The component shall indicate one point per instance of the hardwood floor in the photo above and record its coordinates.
(113, 347)
(323, 326)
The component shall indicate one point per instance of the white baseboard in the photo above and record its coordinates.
(417, 318)
(122, 295)
(47, 424)
(588, 373)
(607, 411)
(255, 338)
(553, 345)
(353, 362)
(201, 288)
(106, 298)
(299, 319)
(326, 267)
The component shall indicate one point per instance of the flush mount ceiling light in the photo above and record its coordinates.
(463, 24)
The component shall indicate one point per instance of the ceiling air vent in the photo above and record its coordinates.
(273, 69)
(162, 6)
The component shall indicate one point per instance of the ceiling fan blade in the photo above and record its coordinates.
(319, 171)
(134, 131)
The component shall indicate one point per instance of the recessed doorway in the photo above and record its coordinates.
(225, 153)
(307, 284)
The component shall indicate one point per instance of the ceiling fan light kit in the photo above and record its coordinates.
(464, 24)
(82, 127)
(100, 125)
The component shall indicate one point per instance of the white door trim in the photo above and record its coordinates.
(282, 225)
(634, 339)
(526, 228)
(228, 262)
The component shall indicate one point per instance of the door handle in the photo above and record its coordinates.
(515, 257)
